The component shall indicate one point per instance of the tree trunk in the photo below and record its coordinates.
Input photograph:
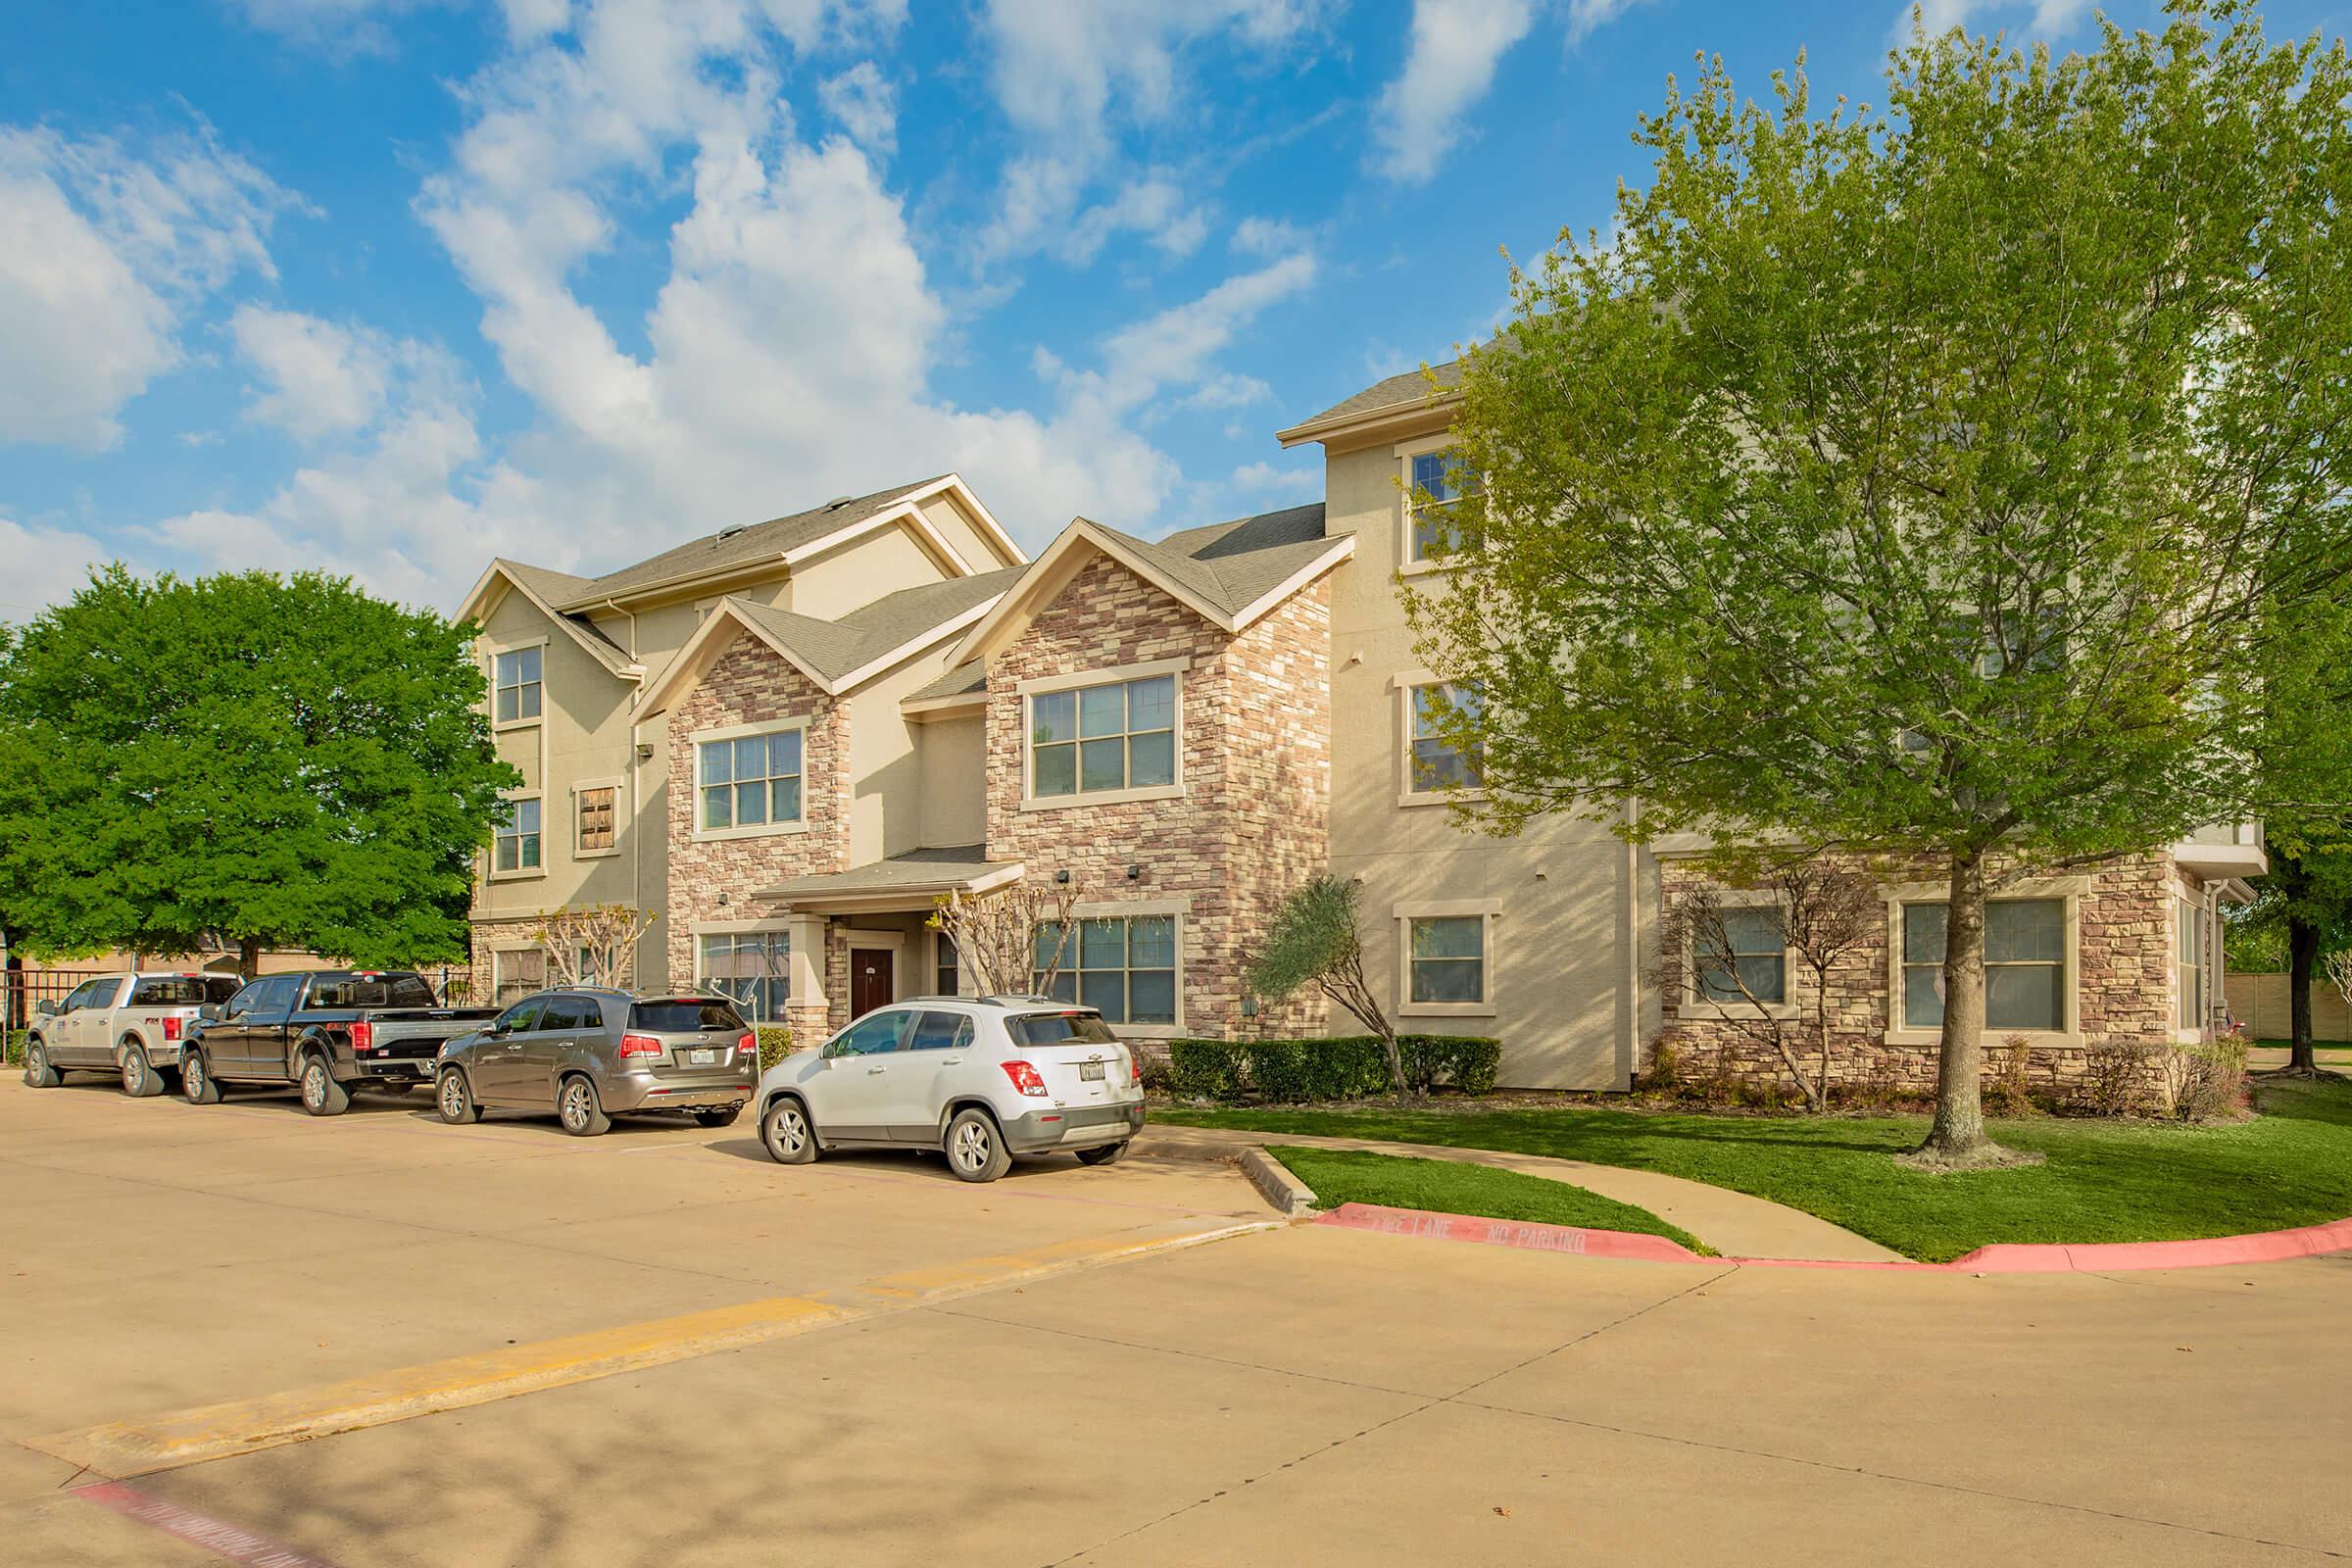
(1388, 1043)
(1958, 1136)
(249, 956)
(2302, 957)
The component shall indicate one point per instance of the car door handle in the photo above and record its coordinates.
(951, 1062)
(871, 1070)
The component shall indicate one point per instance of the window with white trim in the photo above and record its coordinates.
(1437, 763)
(1090, 739)
(947, 967)
(749, 780)
(752, 967)
(1123, 966)
(516, 847)
(1433, 525)
(2025, 964)
(2188, 964)
(1447, 957)
(1749, 963)
(516, 972)
(516, 683)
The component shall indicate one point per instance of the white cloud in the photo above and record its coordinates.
(41, 566)
(1153, 206)
(1449, 64)
(103, 254)
(1228, 392)
(318, 379)
(1263, 481)
(1267, 236)
(2046, 20)
(866, 106)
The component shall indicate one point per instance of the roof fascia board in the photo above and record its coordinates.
(683, 672)
(923, 707)
(872, 903)
(994, 532)
(1040, 582)
(914, 645)
(1366, 421)
(613, 659)
(903, 510)
(1343, 549)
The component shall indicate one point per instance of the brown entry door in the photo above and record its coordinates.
(871, 982)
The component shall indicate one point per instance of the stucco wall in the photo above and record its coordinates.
(953, 772)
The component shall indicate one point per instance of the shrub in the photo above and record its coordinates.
(1205, 1069)
(1664, 1075)
(2203, 1081)
(2115, 1076)
(14, 1056)
(2011, 1088)
(1467, 1062)
(1344, 1067)
(775, 1044)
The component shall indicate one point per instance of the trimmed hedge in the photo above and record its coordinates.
(1344, 1067)
(775, 1044)
(16, 1046)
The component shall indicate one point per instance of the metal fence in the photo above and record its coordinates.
(27, 989)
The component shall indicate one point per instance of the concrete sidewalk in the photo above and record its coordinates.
(1733, 1223)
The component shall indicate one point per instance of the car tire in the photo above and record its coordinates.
(1104, 1153)
(452, 1096)
(787, 1133)
(321, 1096)
(39, 1071)
(975, 1147)
(578, 1108)
(140, 1080)
(197, 1085)
(717, 1118)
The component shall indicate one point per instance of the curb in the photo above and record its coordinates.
(1292, 1197)
(2005, 1257)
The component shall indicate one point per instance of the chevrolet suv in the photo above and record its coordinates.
(980, 1079)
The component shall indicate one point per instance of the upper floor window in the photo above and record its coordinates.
(1437, 763)
(518, 837)
(2025, 964)
(1118, 736)
(1434, 529)
(750, 780)
(517, 683)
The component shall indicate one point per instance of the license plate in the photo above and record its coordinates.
(1091, 1071)
(702, 1058)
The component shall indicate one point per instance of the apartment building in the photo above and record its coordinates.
(789, 740)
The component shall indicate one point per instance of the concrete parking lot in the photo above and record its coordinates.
(499, 1344)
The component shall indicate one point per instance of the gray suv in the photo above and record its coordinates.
(589, 1055)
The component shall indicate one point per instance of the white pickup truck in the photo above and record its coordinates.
(127, 1025)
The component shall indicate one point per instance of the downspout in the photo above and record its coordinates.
(636, 807)
(1629, 1048)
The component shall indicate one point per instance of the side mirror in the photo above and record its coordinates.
(209, 1012)
(46, 1007)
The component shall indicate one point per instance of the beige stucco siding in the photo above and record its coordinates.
(963, 533)
(862, 571)
(888, 762)
(953, 775)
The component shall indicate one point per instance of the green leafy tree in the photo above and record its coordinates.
(276, 761)
(1940, 481)
(1316, 939)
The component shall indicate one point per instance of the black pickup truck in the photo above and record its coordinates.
(326, 1033)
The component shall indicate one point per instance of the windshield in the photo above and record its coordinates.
(1061, 1029)
(370, 991)
(683, 1015)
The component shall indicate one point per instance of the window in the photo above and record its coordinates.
(277, 994)
(1042, 1029)
(874, 1035)
(753, 967)
(372, 991)
(517, 685)
(517, 843)
(571, 1014)
(84, 995)
(521, 1019)
(948, 970)
(940, 1031)
(1437, 763)
(169, 990)
(2025, 964)
(751, 780)
(1124, 968)
(1449, 959)
(516, 972)
(1121, 736)
(2188, 965)
(1755, 966)
(1434, 529)
(683, 1015)
(596, 817)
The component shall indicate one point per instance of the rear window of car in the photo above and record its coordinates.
(683, 1015)
(372, 991)
(1061, 1029)
(177, 991)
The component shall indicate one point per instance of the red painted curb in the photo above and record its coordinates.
(2006, 1257)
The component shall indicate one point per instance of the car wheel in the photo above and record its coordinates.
(578, 1108)
(196, 1083)
(321, 1096)
(1102, 1154)
(39, 1071)
(140, 1077)
(455, 1100)
(975, 1149)
(787, 1133)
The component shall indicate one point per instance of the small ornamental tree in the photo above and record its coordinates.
(1314, 940)
(1940, 482)
(592, 944)
(1013, 940)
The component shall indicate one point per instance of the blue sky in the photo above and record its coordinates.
(389, 286)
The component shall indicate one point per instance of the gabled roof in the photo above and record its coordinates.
(539, 585)
(837, 655)
(1228, 574)
(1399, 394)
(963, 681)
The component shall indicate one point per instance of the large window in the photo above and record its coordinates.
(1447, 957)
(517, 845)
(2025, 964)
(751, 780)
(517, 683)
(516, 972)
(1749, 963)
(2189, 963)
(750, 966)
(1437, 763)
(598, 825)
(1435, 526)
(1120, 736)
(1125, 967)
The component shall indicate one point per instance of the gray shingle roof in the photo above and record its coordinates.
(835, 648)
(559, 588)
(913, 873)
(1234, 564)
(969, 676)
(1396, 392)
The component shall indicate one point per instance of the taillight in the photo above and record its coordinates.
(640, 1046)
(748, 1045)
(171, 1028)
(1026, 1079)
(1135, 1067)
(363, 1035)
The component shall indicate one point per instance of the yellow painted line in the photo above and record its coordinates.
(118, 1450)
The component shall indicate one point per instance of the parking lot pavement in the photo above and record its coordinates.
(1287, 1396)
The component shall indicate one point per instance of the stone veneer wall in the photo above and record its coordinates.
(751, 684)
(2124, 968)
(488, 937)
(1253, 822)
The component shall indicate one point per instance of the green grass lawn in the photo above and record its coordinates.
(1449, 1187)
(2103, 1181)
(2322, 1047)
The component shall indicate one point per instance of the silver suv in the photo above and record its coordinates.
(590, 1055)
